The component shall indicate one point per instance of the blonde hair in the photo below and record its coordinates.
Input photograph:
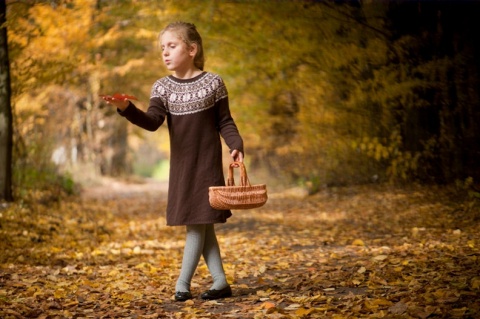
(189, 34)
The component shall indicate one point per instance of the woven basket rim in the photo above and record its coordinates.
(237, 187)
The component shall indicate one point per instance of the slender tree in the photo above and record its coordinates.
(6, 132)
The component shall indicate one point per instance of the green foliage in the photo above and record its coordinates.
(470, 192)
(41, 181)
(468, 186)
(161, 171)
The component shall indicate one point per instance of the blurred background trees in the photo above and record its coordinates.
(6, 116)
(324, 92)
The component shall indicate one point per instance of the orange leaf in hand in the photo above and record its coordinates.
(119, 96)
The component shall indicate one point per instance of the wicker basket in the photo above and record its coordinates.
(245, 196)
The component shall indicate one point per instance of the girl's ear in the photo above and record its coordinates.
(192, 51)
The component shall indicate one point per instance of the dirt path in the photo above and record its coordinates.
(108, 188)
(364, 252)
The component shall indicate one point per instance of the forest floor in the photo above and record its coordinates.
(356, 252)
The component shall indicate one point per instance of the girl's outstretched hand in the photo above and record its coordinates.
(237, 156)
(118, 100)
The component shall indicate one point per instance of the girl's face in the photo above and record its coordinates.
(176, 55)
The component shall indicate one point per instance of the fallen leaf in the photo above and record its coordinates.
(358, 242)
(398, 309)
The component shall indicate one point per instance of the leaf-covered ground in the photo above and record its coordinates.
(358, 252)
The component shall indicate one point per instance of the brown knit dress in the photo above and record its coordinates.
(197, 113)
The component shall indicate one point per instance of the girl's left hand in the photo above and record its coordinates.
(237, 156)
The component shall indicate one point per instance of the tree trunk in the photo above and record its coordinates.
(6, 131)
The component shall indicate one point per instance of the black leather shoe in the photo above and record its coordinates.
(217, 294)
(183, 295)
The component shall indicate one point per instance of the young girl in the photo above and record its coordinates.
(195, 104)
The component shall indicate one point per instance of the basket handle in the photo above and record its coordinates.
(243, 174)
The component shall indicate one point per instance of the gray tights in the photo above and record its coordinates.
(201, 240)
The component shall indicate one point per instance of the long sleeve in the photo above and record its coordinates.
(150, 120)
(227, 127)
